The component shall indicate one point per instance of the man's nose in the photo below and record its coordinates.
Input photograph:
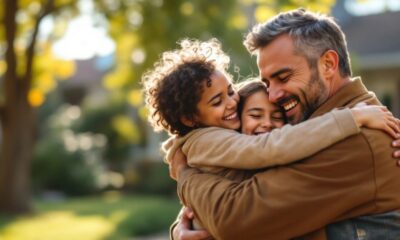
(275, 94)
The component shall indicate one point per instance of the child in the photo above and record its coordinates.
(189, 90)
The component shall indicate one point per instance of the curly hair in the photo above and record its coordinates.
(174, 86)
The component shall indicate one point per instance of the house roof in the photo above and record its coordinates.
(374, 34)
(373, 39)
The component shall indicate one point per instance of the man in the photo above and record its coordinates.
(303, 59)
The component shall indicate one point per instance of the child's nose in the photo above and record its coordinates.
(267, 125)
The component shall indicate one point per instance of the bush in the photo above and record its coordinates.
(152, 218)
(153, 178)
(54, 168)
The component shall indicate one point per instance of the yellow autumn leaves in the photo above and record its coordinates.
(47, 70)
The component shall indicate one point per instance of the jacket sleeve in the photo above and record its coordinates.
(219, 147)
(287, 201)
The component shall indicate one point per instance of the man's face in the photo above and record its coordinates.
(292, 83)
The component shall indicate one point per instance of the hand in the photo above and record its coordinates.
(182, 229)
(376, 117)
(177, 164)
(396, 153)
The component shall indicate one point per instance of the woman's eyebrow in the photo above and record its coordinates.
(214, 97)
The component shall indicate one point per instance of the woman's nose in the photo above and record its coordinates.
(232, 102)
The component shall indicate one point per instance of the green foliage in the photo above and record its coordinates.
(152, 178)
(149, 219)
(54, 168)
(65, 160)
(100, 120)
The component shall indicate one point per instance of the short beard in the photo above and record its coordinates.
(318, 91)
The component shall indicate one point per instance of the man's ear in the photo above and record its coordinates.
(329, 64)
(188, 122)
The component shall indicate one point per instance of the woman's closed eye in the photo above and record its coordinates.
(216, 103)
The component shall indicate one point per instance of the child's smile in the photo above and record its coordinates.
(259, 115)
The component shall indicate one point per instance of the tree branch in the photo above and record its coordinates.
(10, 31)
(30, 51)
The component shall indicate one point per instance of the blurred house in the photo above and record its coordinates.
(373, 35)
(86, 82)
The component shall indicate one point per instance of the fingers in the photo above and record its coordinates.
(195, 235)
(390, 130)
(396, 124)
(188, 212)
(183, 230)
(396, 154)
(178, 164)
(396, 143)
(393, 125)
(385, 109)
(397, 121)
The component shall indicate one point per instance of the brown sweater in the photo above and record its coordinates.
(354, 177)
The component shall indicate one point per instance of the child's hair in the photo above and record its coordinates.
(248, 88)
(175, 85)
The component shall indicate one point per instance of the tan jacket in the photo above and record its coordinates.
(213, 149)
(354, 177)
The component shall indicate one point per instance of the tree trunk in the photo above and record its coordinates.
(17, 122)
(16, 156)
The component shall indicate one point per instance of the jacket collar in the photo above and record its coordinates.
(347, 96)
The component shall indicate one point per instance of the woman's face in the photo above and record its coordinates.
(218, 104)
(259, 115)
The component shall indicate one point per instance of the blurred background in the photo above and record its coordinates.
(78, 159)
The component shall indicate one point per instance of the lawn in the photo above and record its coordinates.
(111, 216)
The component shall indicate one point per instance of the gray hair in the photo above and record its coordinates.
(313, 35)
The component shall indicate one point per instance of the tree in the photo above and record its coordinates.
(17, 114)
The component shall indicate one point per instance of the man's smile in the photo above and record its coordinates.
(289, 103)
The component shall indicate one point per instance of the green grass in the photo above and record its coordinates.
(110, 217)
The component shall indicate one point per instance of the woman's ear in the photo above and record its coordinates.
(188, 122)
(329, 64)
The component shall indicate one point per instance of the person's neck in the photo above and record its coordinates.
(337, 84)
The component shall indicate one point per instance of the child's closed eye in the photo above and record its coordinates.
(255, 116)
(277, 116)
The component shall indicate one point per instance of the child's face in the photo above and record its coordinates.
(259, 115)
(218, 104)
